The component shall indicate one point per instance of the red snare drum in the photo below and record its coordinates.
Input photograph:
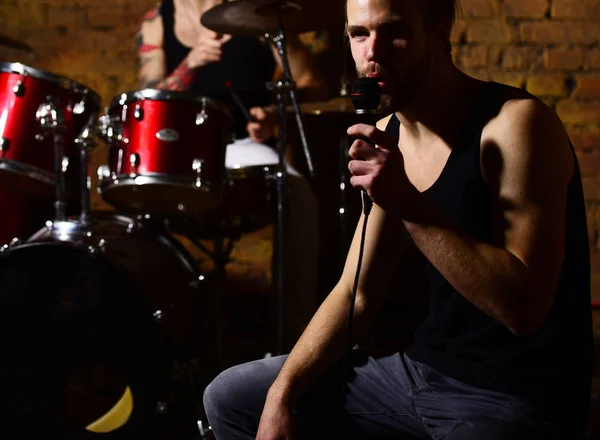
(168, 153)
(26, 154)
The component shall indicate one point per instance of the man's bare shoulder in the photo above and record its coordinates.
(519, 112)
(382, 123)
(151, 20)
(526, 132)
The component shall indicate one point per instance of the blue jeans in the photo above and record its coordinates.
(385, 397)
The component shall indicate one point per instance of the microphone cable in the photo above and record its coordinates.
(367, 205)
(366, 99)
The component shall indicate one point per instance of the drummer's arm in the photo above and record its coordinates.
(309, 81)
(151, 56)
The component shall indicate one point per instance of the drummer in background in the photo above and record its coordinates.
(177, 53)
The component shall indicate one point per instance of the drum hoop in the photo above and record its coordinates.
(109, 220)
(252, 171)
(154, 178)
(168, 95)
(61, 81)
(27, 170)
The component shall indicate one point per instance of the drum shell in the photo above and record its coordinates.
(249, 203)
(28, 162)
(171, 140)
(140, 309)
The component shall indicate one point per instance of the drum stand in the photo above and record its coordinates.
(220, 257)
(284, 86)
(51, 120)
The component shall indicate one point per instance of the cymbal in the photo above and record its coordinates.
(259, 17)
(14, 44)
(341, 104)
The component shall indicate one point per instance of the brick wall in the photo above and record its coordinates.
(549, 47)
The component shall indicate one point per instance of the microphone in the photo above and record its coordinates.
(366, 97)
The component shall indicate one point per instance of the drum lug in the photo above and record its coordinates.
(108, 132)
(19, 89)
(50, 116)
(13, 243)
(158, 315)
(79, 108)
(4, 145)
(204, 432)
(65, 164)
(198, 282)
(134, 161)
(162, 408)
(202, 116)
(197, 167)
(103, 173)
(138, 113)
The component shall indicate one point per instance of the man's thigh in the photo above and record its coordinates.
(373, 401)
(493, 429)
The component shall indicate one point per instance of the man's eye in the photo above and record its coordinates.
(358, 34)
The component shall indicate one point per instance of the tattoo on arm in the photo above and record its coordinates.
(147, 48)
(181, 78)
(150, 15)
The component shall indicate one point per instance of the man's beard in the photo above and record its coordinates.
(387, 104)
(400, 95)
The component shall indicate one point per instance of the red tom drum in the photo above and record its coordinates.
(167, 152)
(26, 152)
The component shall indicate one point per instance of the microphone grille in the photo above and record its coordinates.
(365, 93)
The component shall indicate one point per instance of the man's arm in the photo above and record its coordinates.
(309, 81)
(151, 57)
(310, 86)
(324, 341)
(528, 165)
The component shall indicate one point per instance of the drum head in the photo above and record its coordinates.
(75, 334)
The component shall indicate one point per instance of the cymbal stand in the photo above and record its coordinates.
(52, 121)
(284, 86)
(287, 84)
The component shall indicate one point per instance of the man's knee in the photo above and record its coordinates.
(242, 386)
(218, 394)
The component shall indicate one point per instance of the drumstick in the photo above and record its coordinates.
(239, 103)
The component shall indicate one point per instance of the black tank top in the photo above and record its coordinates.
(246, 63)
(552, 368)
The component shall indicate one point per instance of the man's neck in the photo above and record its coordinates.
(439, 107)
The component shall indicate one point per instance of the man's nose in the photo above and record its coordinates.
(375, 49)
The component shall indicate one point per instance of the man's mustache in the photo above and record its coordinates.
(378, 71)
